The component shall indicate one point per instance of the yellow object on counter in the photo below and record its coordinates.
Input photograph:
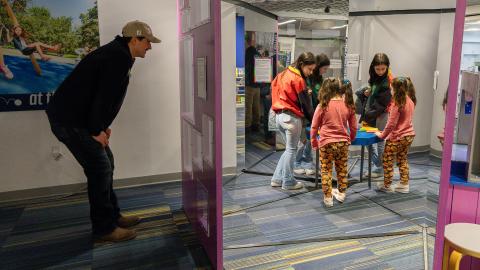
(369, 129)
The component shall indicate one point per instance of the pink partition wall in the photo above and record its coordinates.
(456, 203)
(464, 206)
(201, 111)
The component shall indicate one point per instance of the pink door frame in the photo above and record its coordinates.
(443, 205)
(204, 186)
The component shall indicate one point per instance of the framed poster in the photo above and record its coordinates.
(188, 101)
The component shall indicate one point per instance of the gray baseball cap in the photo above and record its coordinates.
(139, 29)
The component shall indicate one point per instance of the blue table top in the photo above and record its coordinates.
(455, 180)
(363, 138)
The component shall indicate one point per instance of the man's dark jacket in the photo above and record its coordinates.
(91, 96)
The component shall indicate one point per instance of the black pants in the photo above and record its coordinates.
(98, 165)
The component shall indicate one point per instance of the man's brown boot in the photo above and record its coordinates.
(128, 221)
(118, 235)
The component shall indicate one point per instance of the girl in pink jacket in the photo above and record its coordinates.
(334, 120)
(399, 134)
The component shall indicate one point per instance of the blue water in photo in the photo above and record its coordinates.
(26, 81)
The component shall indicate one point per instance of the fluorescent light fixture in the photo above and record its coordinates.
(473, 23)
(472, 29)
(339, 27)
(287, 22)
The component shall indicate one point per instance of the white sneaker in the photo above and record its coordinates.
(298, 185)
(338, 195)
(310, 172)
(299, 171)
(328, 201)
(275, 184)
(401, 188)
(381, 187)
(374, 175)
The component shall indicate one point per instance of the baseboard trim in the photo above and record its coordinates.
(436, 153)
(71, 189)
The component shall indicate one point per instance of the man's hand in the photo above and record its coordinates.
(102, 138)
(378, 133)
(309, 91)
(109, 133)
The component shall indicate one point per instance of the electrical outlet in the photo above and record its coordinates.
(56, 152)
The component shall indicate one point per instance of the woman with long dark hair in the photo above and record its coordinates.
(377, 101)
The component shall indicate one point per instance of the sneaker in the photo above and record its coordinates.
(298, 185)
(309, 171)
(7, 72)
(338, 195)
(128, 221)
(401, 188)
(275, 184)
(118, 235)
(374, 175)
(299, 171)
(328, 201)
(381, 187)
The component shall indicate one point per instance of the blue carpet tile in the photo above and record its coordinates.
(55, 234)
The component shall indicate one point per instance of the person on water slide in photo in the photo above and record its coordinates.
(19, 39)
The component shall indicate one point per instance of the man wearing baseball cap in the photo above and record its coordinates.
(81, 112)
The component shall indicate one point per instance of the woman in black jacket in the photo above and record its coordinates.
(377, 100)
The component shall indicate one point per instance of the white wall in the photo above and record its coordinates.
(229, 130)
(411, 43)
(375, 5)
(445, 40)
(25, 154)
(257, 22)
(417, 45)
(146, 133)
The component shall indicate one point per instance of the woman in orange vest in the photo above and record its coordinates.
(291, 103)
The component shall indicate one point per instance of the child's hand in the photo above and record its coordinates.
(378, 133)
(314, 144)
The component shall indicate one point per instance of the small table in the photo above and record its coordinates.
(363, 139)
(464, 239)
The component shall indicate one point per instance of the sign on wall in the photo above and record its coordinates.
(41, 41)
(263, 69)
